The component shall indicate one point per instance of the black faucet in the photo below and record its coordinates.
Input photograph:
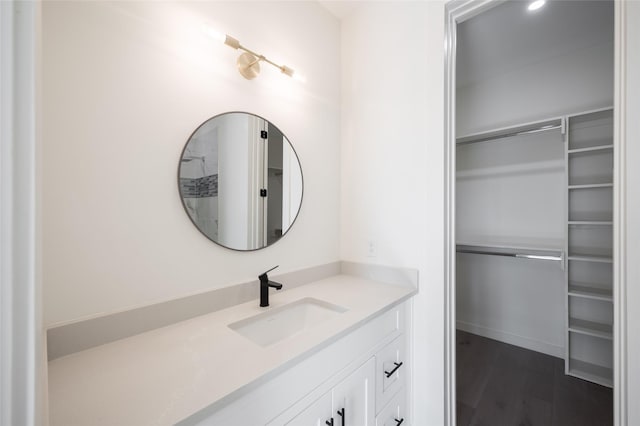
(264, 287)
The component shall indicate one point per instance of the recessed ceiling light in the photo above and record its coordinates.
(535, 5)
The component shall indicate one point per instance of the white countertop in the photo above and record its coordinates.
(163, 376)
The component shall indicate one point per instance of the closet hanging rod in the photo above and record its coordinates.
(521, 254)
(507, 132)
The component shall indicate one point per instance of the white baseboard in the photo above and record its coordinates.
(512, 339)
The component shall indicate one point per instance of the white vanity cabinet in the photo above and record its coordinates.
(391, 376)
(395, 412)
(316, 414)
(349, 403)
(390, 369)
(348, 375)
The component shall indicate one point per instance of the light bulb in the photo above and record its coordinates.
(213, 33)
(536, 5)
(299, 77)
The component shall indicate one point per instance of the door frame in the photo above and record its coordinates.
(458, 11)
(22, 340)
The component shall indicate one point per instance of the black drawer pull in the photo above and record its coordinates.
(341, 414)
(390, 373)
(399, 422)
(329, 422)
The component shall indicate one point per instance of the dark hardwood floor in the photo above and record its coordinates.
(500, 384)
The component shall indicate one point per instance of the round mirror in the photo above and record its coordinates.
(240, 181)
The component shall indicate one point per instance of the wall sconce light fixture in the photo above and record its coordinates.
(249, 61)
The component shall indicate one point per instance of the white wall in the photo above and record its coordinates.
(392, 150)
(512, 188)
(517, 301)
(633, 210)
(560, 85)
(125, 84)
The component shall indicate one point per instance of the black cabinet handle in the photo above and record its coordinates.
(341, 414)
(390, 373)
(329, 422)
(399, 422)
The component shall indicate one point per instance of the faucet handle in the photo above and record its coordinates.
(263, 276)
(265, 273)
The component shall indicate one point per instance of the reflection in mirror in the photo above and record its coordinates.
(240, 181)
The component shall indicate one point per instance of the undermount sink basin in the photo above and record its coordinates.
(279, 323)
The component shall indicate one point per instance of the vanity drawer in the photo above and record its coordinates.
(395, 412)
(391, 364)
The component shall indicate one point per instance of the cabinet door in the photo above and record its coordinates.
(354, 397)
(317, 414)
(391, 365)
(394, 413)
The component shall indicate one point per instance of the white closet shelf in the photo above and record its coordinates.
(591, 328)
(603, 178)
(587, 144)
(590, 258)
(590, 223)
(591, 372)
(577, 289)
(590, 149)
(593, 185)
(590, 216)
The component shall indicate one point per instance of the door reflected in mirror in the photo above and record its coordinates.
(240, 181)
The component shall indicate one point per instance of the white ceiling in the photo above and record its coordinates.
(340, 9)
(508, 36)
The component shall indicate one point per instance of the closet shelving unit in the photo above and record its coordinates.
(587, 255)
(589, 246)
